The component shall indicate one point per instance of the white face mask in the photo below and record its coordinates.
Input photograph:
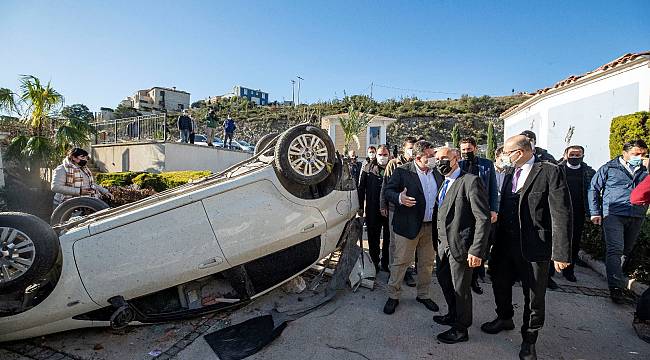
(372, 155)
(431, 163)
(408, 153)
(505, 161)
(382, 160)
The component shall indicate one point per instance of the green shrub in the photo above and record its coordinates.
(116, 178)
(626, 128)
(125, 195)
(150, 181)
(176, 178)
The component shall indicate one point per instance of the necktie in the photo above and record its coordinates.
(443, 192)
(515, 179)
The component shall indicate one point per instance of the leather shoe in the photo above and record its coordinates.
(552, 284)
(497, 325)
(429, 304)
(617, 295)
(453, 336)
(390, 306)
(409, 280)
(444, 319)
(527, 351)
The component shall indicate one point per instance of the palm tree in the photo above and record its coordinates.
(47, 135)
(353, 125)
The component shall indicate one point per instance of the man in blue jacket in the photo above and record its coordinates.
(484, 169)
(609, 206)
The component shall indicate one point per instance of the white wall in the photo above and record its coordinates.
(589, 108)
(158, 157)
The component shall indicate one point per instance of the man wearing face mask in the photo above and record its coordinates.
(462, 229)
(609, 206)
(484, 169)
(372, 175)
(412, 190)
(540, 153)
(73, 178)
(372, 154)
(388, 209)
(578, 177)
(355, 166)
(533, 229)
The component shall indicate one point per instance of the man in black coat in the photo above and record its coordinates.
(534, 228)
(463, 230)
(372, 175)
(412, 189)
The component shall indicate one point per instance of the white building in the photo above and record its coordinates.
(579, 109)
(158, 99)
(375, 134)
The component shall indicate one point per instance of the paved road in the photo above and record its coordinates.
(581, 324)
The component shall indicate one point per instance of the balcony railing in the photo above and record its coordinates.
(139, 128)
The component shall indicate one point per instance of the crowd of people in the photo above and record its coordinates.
(523, 214)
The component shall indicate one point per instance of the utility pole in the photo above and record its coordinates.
(371, 86)
(293, 92)
(299, 79)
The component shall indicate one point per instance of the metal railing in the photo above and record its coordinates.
(138, 128)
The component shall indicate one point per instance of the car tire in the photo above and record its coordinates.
(305, 154)
(263, 142)
(67, 209)
(39, 246)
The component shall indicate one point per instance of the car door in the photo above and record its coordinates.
(167, 247)
(256, 219)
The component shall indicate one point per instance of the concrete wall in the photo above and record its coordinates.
(158, 157)
(588, 108)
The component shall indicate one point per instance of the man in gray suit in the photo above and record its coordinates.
(463, 229)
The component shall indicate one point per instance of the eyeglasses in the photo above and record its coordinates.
(506, 153)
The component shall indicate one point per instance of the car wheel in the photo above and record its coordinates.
(305, 154)
(263, 142)
(28, 250)
(79, 206)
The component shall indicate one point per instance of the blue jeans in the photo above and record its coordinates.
(620, 233)
(185, 135)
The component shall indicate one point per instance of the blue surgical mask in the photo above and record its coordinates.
(635, 161)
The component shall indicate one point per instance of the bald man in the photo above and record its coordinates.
(462, 228)
(533, 229)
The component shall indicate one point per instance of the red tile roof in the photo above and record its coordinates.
(573, 78)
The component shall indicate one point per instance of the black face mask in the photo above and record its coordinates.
(575, 161)
(82, 163)
(444, 166)
(468, 156)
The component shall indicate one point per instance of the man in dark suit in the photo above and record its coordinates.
(412, 189)
(463, 229)
(534, 228)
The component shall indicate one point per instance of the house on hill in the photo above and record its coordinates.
(579, 109)
(375, 133)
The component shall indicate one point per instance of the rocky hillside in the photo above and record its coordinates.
(432, 119)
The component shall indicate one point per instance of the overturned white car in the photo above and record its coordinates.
(202, 247)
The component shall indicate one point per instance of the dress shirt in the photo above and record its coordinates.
(450, 180)
(525, 170)
(430, 189)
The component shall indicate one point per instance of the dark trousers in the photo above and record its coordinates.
(455, 278)
(578, 227)
(621, 234)
(227, 136)
(508, 265)
(376, 225)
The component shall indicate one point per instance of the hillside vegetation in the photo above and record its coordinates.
(432, 119)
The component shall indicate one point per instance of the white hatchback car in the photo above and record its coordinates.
(201, 247)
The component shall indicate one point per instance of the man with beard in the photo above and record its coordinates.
(533, 229)
(369, 190)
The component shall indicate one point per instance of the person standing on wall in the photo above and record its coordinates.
(463, 230)
(184, 124)
(610, 207)
(369, 191)
(229, 128)
(533, 229)
(471, 163)
(578, 178)
(211, 126)
(412, 190)
(388, 209)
